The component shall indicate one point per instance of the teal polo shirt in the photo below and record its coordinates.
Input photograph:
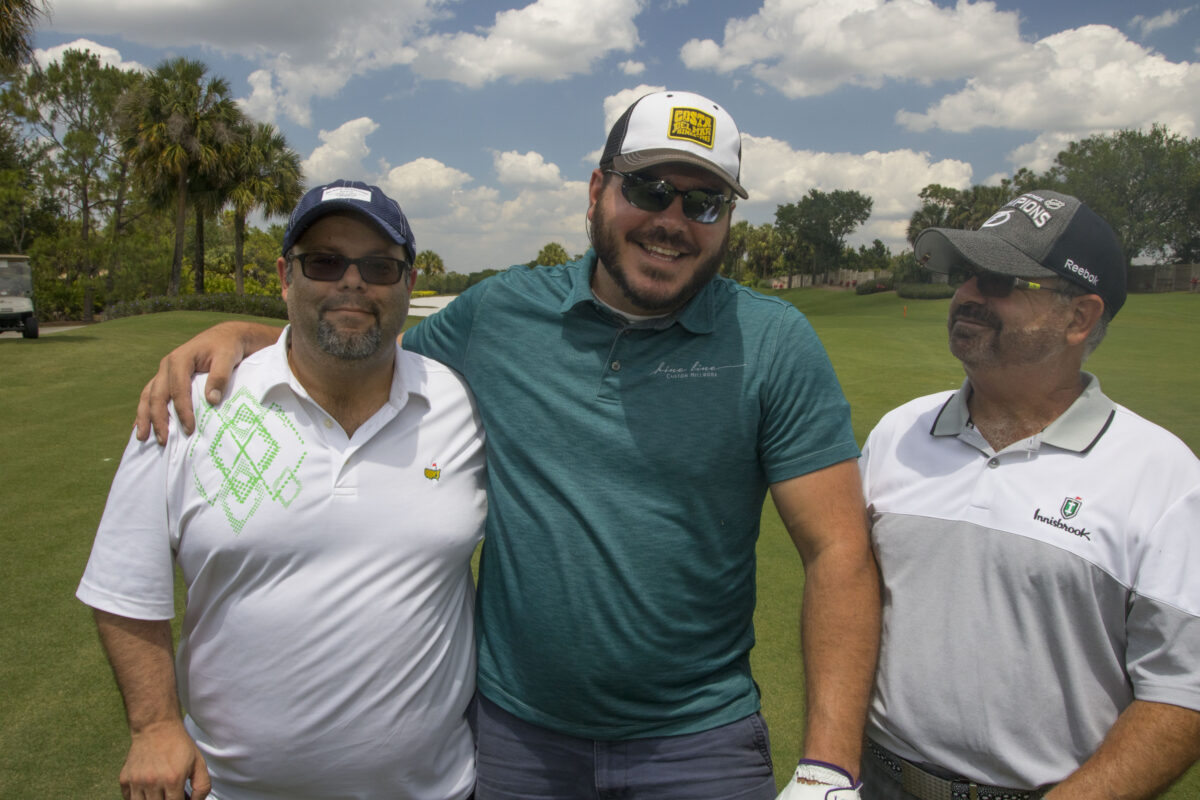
(627, 468)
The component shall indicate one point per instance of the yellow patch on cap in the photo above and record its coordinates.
(692, 125)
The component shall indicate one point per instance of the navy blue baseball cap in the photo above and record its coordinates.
(358, 198)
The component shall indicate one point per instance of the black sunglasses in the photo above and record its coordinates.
(993, 284)
(332, 266)
(652, 194)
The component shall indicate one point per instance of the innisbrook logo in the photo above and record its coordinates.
(1068, 510)
(1070, 507)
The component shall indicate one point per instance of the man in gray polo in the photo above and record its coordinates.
(1037, 541)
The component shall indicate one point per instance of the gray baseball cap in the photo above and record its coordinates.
(1041, 234)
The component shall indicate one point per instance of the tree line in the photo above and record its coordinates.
(1145, 183)
(104, 171)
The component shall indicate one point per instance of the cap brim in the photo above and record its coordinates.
(644, 159)
(942, 249)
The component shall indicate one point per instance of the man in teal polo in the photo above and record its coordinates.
(638, 407)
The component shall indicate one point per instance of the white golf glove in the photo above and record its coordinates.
(816, 780)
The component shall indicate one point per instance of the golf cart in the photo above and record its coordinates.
(16, 296)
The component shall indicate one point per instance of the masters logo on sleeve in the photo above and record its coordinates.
(433, 472)
(692, 125)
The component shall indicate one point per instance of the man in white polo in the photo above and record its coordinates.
(1037, 541)
(324, 519)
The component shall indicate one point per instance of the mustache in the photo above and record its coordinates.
(348, 301)
(676, 241)
(974, 313)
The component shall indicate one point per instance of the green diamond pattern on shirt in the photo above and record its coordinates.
(254, 452)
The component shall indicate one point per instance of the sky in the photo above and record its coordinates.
(484, 119)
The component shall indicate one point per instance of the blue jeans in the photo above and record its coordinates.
(520, 761)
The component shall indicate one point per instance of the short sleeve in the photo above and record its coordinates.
(131, 569)
(805, 416)
(446, 335)
(1164, 617)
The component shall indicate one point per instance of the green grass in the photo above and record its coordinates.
(68, 401)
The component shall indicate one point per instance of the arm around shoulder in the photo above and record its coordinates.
(215, 351)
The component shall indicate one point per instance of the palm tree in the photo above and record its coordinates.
(177, 126)
(429, 263)
(931, 215)
(267, 177)
(208, 194)
(18, 18)
(976, 205)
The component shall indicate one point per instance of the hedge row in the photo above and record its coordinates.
(256, 305)
(884, 283)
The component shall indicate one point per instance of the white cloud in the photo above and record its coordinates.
(429, 188)
(341, 153)
(518, 227)
(774, 173)
(108, 56)
(615, 104)
(529, 169)
(810, 47)
(1078, 81)
(1039, 154)
(469, 225)
(263, 102)
(632, 67)
(547, 40)
(306, 48)
(312, 28)
(1168, 19)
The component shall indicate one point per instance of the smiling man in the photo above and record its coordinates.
(327, 645)
(638, 409)
(1037, 541)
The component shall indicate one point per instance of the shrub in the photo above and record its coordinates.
(925, 291)
(256, 305)
(884, 283)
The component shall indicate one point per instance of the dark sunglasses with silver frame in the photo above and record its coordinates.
(379, 270)
(653, 194)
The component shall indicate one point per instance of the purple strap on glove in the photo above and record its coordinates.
(819, 780)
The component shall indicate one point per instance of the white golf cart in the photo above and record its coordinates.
(16, 296)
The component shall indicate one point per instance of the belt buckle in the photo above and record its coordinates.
(973, 791)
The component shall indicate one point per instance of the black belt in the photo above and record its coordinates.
(927, 786)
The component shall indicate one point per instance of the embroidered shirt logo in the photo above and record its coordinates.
(1070, 507)
(696, 370)
(692, 125)
(1073, 504)
(433, 472)
(256, 452)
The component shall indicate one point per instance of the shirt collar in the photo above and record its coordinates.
(409, 376)
(698, 315)
(1077, 429)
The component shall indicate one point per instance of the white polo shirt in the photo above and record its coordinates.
(1029, 595)
(327, 647)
